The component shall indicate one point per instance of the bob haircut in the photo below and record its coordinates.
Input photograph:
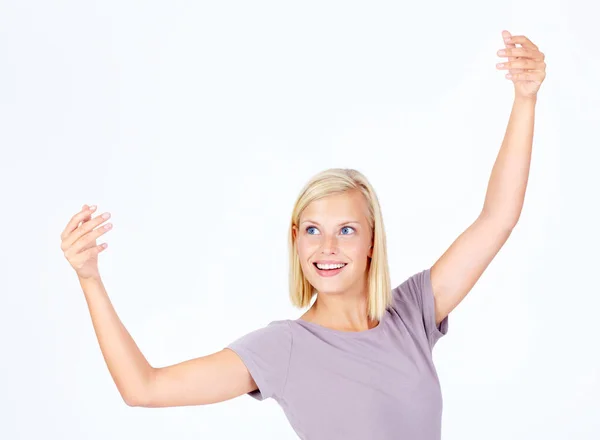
(335, 181)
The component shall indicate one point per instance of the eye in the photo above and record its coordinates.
(312, 227)
(308, 228)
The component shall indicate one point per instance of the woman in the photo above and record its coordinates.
(358, 363)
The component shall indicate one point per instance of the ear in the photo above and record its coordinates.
(294, 231)
(370, 253)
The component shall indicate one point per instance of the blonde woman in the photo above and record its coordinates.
(358, 363)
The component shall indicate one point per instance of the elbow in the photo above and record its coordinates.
(134, 401)
(139, 396)
(130, 403)
(502, 222)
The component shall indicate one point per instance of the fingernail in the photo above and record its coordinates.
(92, 207)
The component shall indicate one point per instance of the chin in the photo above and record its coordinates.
(330, 291)
(330, 287)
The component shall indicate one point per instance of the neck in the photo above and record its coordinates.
(344, 311)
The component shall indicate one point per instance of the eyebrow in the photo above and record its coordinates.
(343, 223)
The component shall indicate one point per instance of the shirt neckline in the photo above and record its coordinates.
(345, 333)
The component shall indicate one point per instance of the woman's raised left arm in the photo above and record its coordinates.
(455, 273)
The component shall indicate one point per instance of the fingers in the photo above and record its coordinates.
(529, 76)
(87, 241)
(73, 233)
(521, 52)
(523, 41)
(75, 220)
(520, 59)
(95, 250)
(521, 65)
(511, 52)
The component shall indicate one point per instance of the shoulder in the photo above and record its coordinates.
(276, 335)
(414, 301)
(266, 353)
(409, 293)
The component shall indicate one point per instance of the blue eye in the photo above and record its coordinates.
(312, 227)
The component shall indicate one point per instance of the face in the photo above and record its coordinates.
(335, 228)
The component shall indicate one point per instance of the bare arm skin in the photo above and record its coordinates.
(209, 379)
(455, 273)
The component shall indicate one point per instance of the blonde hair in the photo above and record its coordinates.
(335, 181)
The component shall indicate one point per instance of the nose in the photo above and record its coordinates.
(329, 245)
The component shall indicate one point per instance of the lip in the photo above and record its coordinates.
(329, 262)
(328, 273)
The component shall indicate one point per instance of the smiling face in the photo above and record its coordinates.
(335, 228)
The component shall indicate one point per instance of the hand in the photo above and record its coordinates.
(79, 242)
(525, 65)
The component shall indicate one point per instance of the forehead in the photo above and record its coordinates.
(350, 205)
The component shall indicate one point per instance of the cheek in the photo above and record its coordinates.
(358, 250)
(304, 250)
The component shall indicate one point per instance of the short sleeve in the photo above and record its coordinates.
(415, 295)
(266, 353)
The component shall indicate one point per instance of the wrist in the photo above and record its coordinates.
(95, 279)
(526, 99)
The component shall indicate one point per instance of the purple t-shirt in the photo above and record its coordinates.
(379, 383)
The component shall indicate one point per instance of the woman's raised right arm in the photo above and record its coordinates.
(209, 379)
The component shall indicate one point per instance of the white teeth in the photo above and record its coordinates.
(329, 266)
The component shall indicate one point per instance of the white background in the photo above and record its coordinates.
(197, 123)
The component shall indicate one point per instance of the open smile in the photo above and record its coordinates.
(328, 272)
